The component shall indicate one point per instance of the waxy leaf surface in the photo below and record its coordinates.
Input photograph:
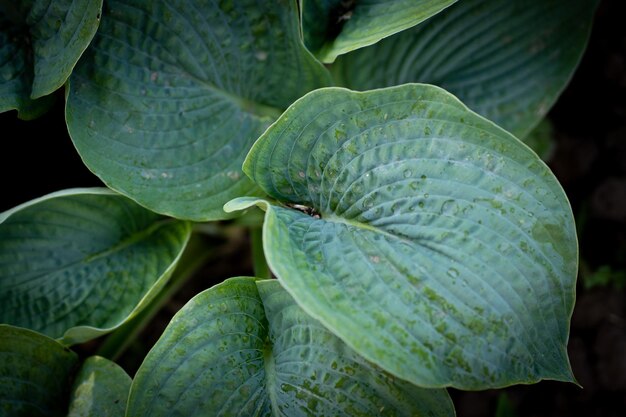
(331, 29)
(507, 60)
(100, 389)
(440, 247)
(78, 263)
(171, 95)
(245, 348)
(35, 374)
(40, 43)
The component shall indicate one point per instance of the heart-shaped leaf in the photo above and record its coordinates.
(78, 263)
(245, 348)
(335, 27)
(446, 251)
(100, 389)
(507, 60)
(35, 374)
(40, 42)
(171, 95)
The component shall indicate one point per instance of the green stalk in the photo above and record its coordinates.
(196, 254)
(261, 269)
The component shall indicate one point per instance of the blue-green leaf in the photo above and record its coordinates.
(40, 43)
(245, 348)
(100, 389)
(171, 95)
(507, 60)
(35, 374)
(430, 240)
(335, 27)
(78, 263)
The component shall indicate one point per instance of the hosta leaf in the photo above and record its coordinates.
(446, 251)
(335, 27)
(172, 93)
(40, 42)
(100, 389)
(245, 348)
(78, 263)
(35, 374)
(507, 60)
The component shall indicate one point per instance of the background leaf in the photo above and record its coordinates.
(100, 389)
(78, 263)
(446, 250)
(335, 27)
(40, 42)
(507, 60)
(541, 139)
(172, 93)
(34, 374)
(245, 348)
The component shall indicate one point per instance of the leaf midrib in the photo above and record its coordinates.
(270, 376)
(121, 245)
(129, 240)
(249, 106)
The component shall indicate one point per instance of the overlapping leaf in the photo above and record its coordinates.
(172, 93)
(35, 374)
(507, 60)
(244, 348)
(100, 389)
(40, 42)
(446, 251)
(335, 27)
(77, 263)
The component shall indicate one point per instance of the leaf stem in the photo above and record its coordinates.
(261, 269)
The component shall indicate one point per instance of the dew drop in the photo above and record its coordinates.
(453, 273)
(449, 207)
(407, 173)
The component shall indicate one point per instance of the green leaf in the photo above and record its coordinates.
(446, 251)
(172, 93)
(245, 348)
(507, 60)
(100, 389)
(35, 374)
(40, 43)
(335, 27)
(78, 263)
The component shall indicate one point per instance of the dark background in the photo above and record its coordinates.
(589, 159)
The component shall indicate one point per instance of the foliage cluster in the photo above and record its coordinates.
(417, 241)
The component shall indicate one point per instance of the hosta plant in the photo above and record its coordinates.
(411, 241)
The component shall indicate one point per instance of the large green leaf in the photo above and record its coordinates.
(100, 389)
(507, 60)
(78, 263)
(446, 250)
(245, 348)
(40, 42)
(35, 374)
(172, 93)
(335, 27)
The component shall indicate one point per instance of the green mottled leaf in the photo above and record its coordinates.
(446, 251)
(507, 60)
(245, 348)
(100, 389)
(40, 42)
(172, 93)
(35, 374)
(78, 263)
(335, 27)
